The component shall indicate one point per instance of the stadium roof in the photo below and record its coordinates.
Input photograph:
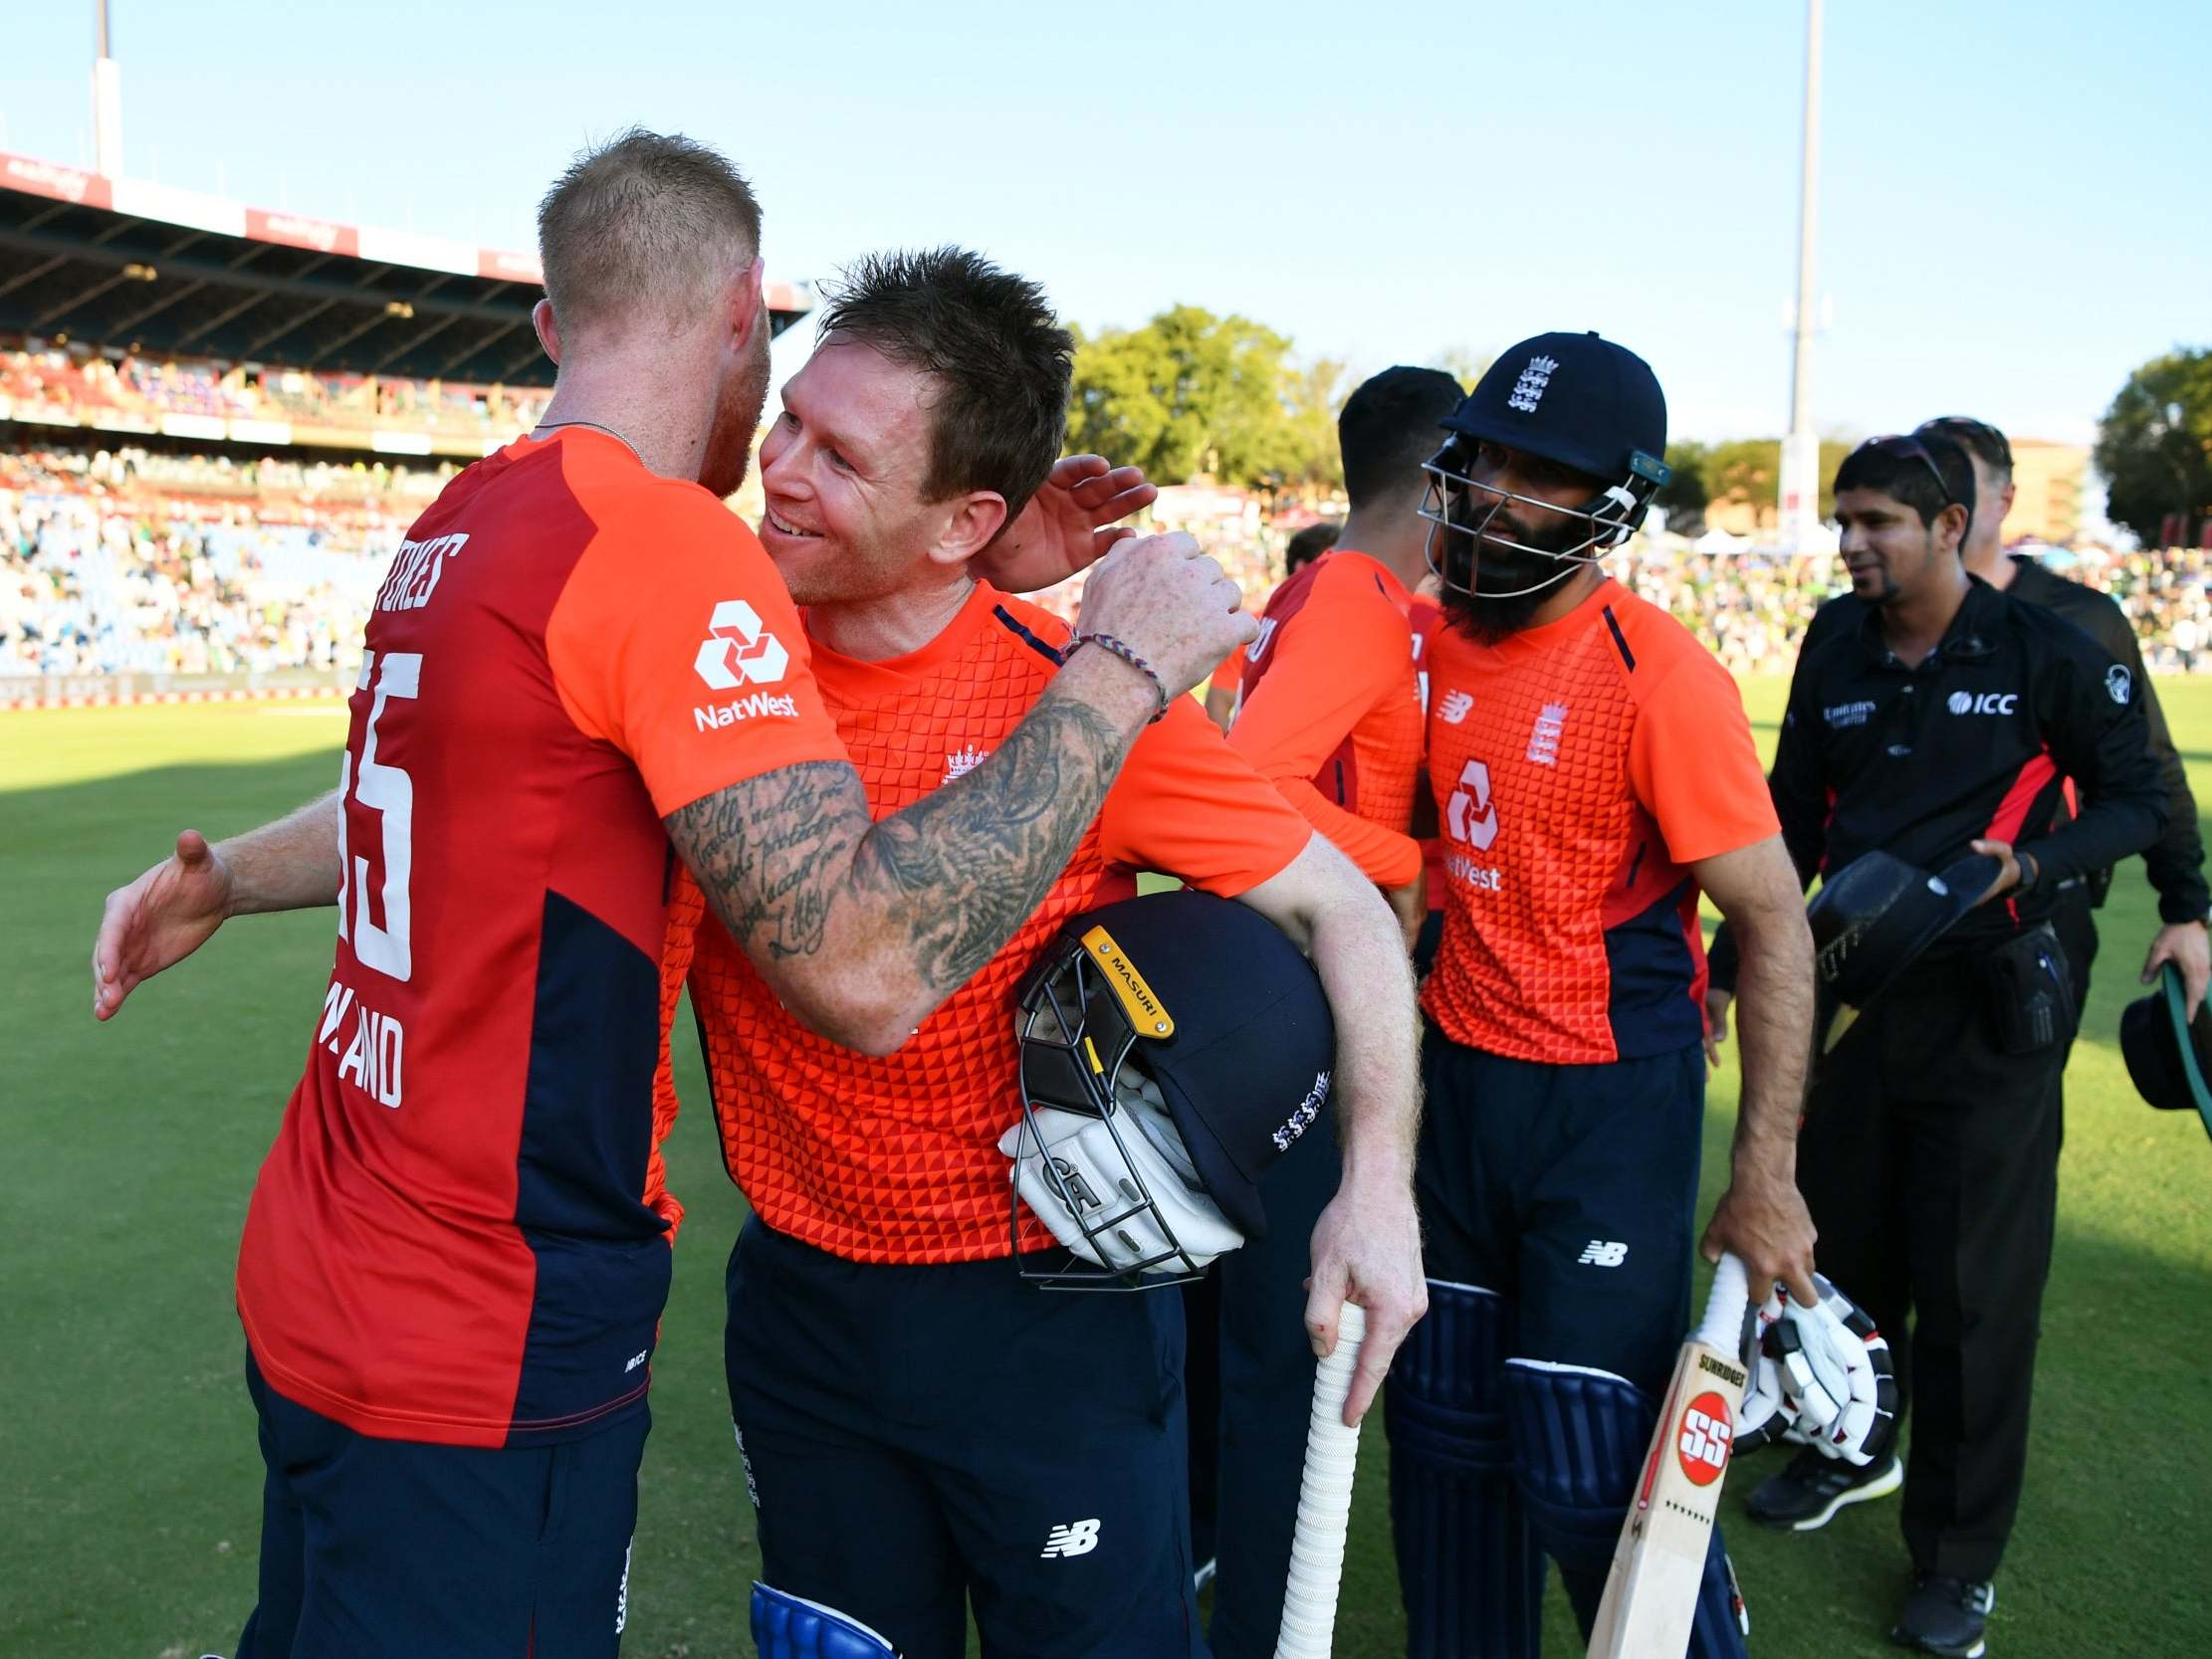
(158, 269)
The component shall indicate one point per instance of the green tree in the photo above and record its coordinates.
(2155, 448)
(1190, 392)
(1747, 470)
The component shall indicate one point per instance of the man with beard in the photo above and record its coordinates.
(581, 668)
(1594, 773)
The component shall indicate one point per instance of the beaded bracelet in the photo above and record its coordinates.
(1107, 642)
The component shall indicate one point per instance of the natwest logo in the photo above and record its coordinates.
(707, 717)
(738, 647)
(1468, 815)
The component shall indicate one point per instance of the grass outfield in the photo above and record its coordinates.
(130, 1482)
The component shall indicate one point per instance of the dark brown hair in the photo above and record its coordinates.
(989, 339)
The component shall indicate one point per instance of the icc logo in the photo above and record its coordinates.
(1468, 815)
(737, 646)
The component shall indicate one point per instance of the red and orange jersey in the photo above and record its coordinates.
(896, 1158)
(458, 1236)
(1579, 769)
(1427, 618)
(1330, 709)
(1230, 675)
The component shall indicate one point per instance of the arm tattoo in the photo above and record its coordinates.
(950, 879)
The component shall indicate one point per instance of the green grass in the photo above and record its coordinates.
(130, 1481)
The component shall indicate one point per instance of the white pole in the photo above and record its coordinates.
(107, 104)
(1800, 479)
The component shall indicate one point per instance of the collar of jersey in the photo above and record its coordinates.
(1551, 633)
(1970, 638)
(889, 675)
(1394, 589)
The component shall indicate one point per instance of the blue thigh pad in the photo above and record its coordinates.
(793, 1627)
(1469, 1571)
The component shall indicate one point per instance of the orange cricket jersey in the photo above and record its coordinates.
(1330, 709)
(1427, 617)
(896, 1159)
(1579, 769)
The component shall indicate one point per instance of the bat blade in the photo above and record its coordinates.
(1650, 1595)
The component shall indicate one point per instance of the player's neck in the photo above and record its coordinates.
(667, 423)
(892, 625)
(1914, 624)
(1396, 540)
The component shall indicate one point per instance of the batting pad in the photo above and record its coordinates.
(793, 1627)
(1469, 1569)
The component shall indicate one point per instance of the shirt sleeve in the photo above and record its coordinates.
(674, 641)
(1226, 677)
(1692, 764)
(1330, 664)
(1188, 805)
(2093, 725)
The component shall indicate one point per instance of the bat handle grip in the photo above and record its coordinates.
(1725, 1305)
(1324, 1502)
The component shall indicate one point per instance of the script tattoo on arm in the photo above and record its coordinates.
(865, 928)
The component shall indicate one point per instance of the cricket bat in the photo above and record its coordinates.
(1324, 1502)
(1651, 1596)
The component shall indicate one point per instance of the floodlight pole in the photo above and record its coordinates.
(1800, 490)
(106, 102)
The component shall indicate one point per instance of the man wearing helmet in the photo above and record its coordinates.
(1592, 774)
(922, 1429)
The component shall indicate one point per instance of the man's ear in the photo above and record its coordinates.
(2004, 500)
(746, 310)
(972, 522)
(548, 325)
(1950, 527)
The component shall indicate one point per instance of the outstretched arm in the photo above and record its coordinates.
(1367, 1245)
(174, 907)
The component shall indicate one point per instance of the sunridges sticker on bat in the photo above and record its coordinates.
(1651, 1596)
(1324, 1502)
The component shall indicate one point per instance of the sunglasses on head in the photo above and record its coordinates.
(1979, 436)
(1902, 446)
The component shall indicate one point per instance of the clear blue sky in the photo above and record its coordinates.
(2015, 197)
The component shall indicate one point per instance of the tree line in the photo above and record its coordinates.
(1189, 393)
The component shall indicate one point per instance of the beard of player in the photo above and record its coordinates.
(736, 417)
(1492, 606)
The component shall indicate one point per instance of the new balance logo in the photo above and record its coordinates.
(1602, 1253)
(738, 647)
(964, 763)
(1078, 1538)
(1454, 707)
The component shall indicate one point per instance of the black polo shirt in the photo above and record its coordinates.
(1977, 742)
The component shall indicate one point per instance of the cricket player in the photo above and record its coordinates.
(1949, 719)
(1595, 773)
(1330, 710)
(1303, 548)
(922, 1429)
(581, 669)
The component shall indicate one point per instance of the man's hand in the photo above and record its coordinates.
(1409, 904)
(1367, 1249)
(1762, 1218)
(1716, 1022)
(1067, 525)
(157, 921)
(1168, 602)
(2007, 872)
(2184, 945)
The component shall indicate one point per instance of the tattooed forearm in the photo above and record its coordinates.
(958, 871)
(863, 927)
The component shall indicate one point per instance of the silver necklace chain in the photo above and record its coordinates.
(551, 426)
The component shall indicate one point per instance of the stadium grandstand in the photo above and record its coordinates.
(216, 422)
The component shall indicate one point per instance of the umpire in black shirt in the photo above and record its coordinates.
(1947, 717)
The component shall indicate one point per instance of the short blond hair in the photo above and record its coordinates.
(644, 225)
